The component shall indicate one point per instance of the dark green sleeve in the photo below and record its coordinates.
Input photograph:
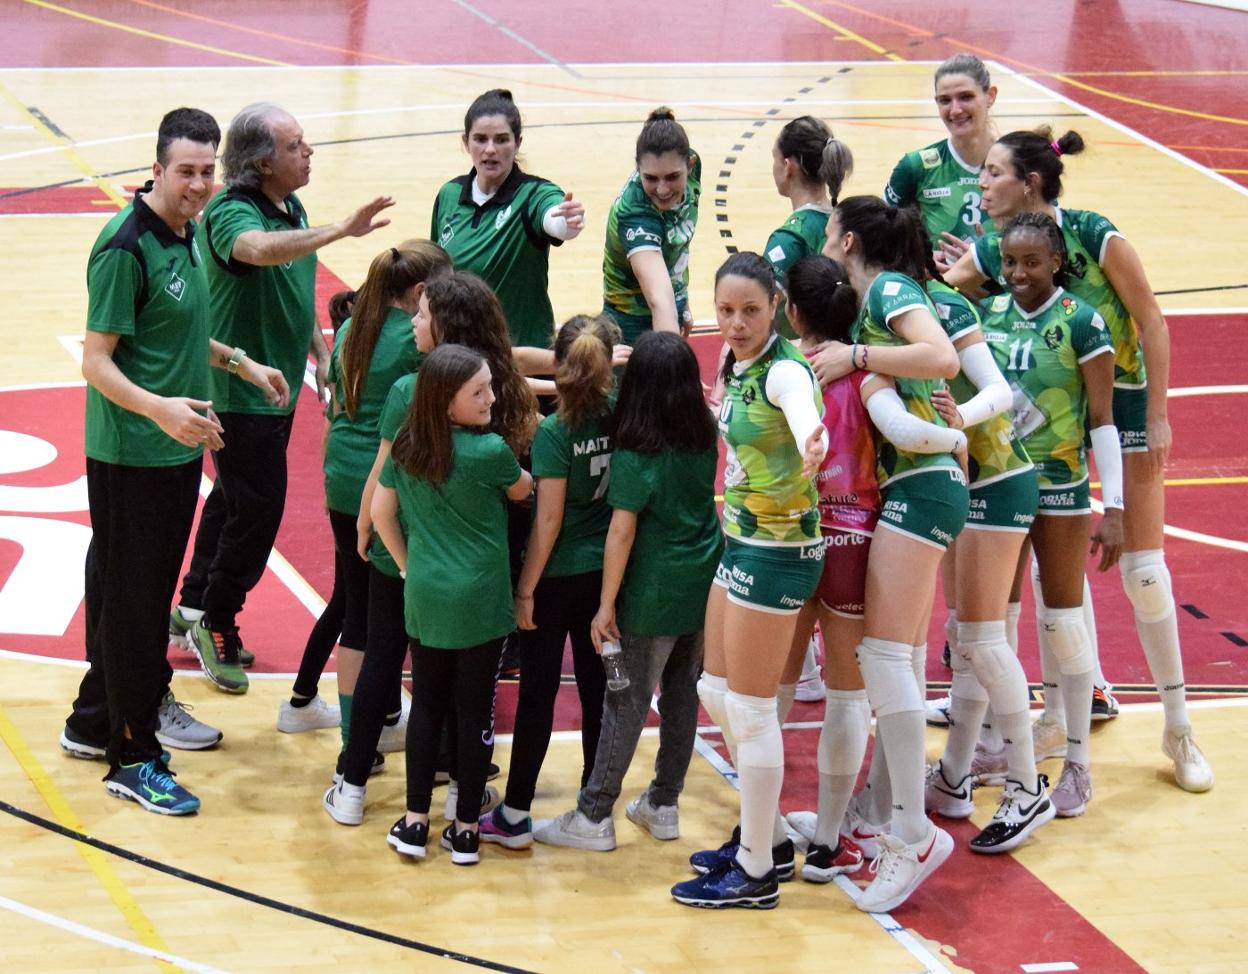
(903, 184)
(114, 285)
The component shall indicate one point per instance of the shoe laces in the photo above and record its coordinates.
(884, 865)
(226, 644)
(1073, 778)
(154, 773)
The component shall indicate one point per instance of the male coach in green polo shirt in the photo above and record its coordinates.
(146, 360)
(262, 280)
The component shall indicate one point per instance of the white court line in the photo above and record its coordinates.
(1061, 965)
(49, 216)
(1125, 129)
(479, 68)
(520, 39)
(90, 933)
(1185, 391)
(1204, 311)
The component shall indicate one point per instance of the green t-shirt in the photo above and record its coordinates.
(267, 311)
(582, 457)
(766, 498)
(677, 544)
(802, 234)
(945, 188)
(1087, 236)
(888, 296)
(502, 242)
(1039, 354)
(993, 449)
(393, 416)
(352, 444)
(634, 224)
(147, 285)
(458, 588)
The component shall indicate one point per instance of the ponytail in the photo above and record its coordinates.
(819, 155)
(1041, 153)
(583, 375)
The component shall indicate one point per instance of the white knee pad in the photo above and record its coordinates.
(964, 684)
(843, 740)
(753, 722)
(1146, 580)
(711, 690)
(995, 665)
(887, 672)
(1068, 636)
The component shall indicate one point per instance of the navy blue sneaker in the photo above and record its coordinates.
(782, 857)
(729, 885)
(151, 785)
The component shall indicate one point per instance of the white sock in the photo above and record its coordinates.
(1077, 688)
(1158, 628)
(191, 615)
(1089, 621)
(1054, 708)
(903, 734)
(760, 770)
(1019, 754)
(875, 801)
(842, 745)
(513, 816)
(968, 702)
(785, 694)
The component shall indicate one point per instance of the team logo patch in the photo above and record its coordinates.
(1053, 336)
(448, 234)
(776, 254)
(891, 288)
(930, 158)
(176, 287)
(1000, 303)
(502, 218)
(748, 395)
(1069, 306)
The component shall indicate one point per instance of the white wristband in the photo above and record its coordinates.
(1108, 454)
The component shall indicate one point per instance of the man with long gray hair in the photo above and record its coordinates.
(262, 283)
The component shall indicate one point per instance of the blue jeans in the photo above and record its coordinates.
(673, 663)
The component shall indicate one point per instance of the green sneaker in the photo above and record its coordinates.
(151, 785)
(218, 655)
(179, 633)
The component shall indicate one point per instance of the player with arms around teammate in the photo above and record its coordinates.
(1023, 171)
(943, 178)
(261, 264)
(146, 360)
(645, 266)
(808, 166)
(500, 222)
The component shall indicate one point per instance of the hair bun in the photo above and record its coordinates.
(663, 114)
(1071, 143)
(503, 93)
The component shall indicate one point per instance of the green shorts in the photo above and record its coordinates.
(930, 506)
(1008, 504)
(1065, 500)
(770, 578)
(1130, 412)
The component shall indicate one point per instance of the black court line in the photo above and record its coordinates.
(256, 898)
(1201, 290)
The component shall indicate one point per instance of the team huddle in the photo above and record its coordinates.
(909, 386)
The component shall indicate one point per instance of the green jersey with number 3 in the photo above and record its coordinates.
(946, 189)
(1039, 354)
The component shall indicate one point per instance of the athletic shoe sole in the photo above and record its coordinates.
(340, 815)
(664, 833)
(83, 752)
(415, 851)
(767, 902)
(212, 678)
(460, 858)
(813, 874)
(522, 841)
(118, 790)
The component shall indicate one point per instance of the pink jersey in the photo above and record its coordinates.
(849, 493)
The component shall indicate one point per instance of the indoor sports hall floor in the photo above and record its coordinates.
(1150, 879)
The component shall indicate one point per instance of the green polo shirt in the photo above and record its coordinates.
(502, 242)
(458, 588)
(582, 457)
(352, 444)
(267, 311)
(678, 541)
(147, 285)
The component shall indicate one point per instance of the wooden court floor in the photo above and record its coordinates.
(262, 879)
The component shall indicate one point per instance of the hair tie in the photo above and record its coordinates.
(1056, 148)
(830, 140)
(394, 253)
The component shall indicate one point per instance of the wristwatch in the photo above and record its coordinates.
(236, 359)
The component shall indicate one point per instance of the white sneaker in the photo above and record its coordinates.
(489, 801)
(943, 798)
(937, 712)
(345, 803)
(661, 821)
(1048, 739)
(1191, 770)
(179, 729)
(574, 831)
(811, 689)
(1020, 813)
(865, 835)
(900, 868)
(394, 736)
(314, 715)
(800, 828)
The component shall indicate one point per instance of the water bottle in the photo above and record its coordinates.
(613, 663)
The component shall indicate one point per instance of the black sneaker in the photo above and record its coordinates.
(77, 746)
(782, 857)
(410, 840)
(1104, 704)
(377, 767)
(464, 845)
(1021, 812)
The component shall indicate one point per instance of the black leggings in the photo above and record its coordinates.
(345, 617)
(442, 680)
(562, 607)
(379, 686)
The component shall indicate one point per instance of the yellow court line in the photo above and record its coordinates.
(95, 859)
(1196, 482)
(64, 145)
(154, 36)
(1234, 172)
(845, 32)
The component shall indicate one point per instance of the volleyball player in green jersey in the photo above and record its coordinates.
(772, 561)
(985, 664)
(500, 223)
(925, 505)
(645, 264)
(1022, 172)
(808, 166)
(942, 179)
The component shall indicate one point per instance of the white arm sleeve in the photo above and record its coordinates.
(791, 389)
(994, 394)
(1108, 454)
(907, 431)
(554, 224)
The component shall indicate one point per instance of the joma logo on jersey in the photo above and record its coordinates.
(502, 218)
(176, 287)
(633, 233)
(937, 192)
(968, 180)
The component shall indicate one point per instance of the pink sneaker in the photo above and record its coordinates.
(1073, 791)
